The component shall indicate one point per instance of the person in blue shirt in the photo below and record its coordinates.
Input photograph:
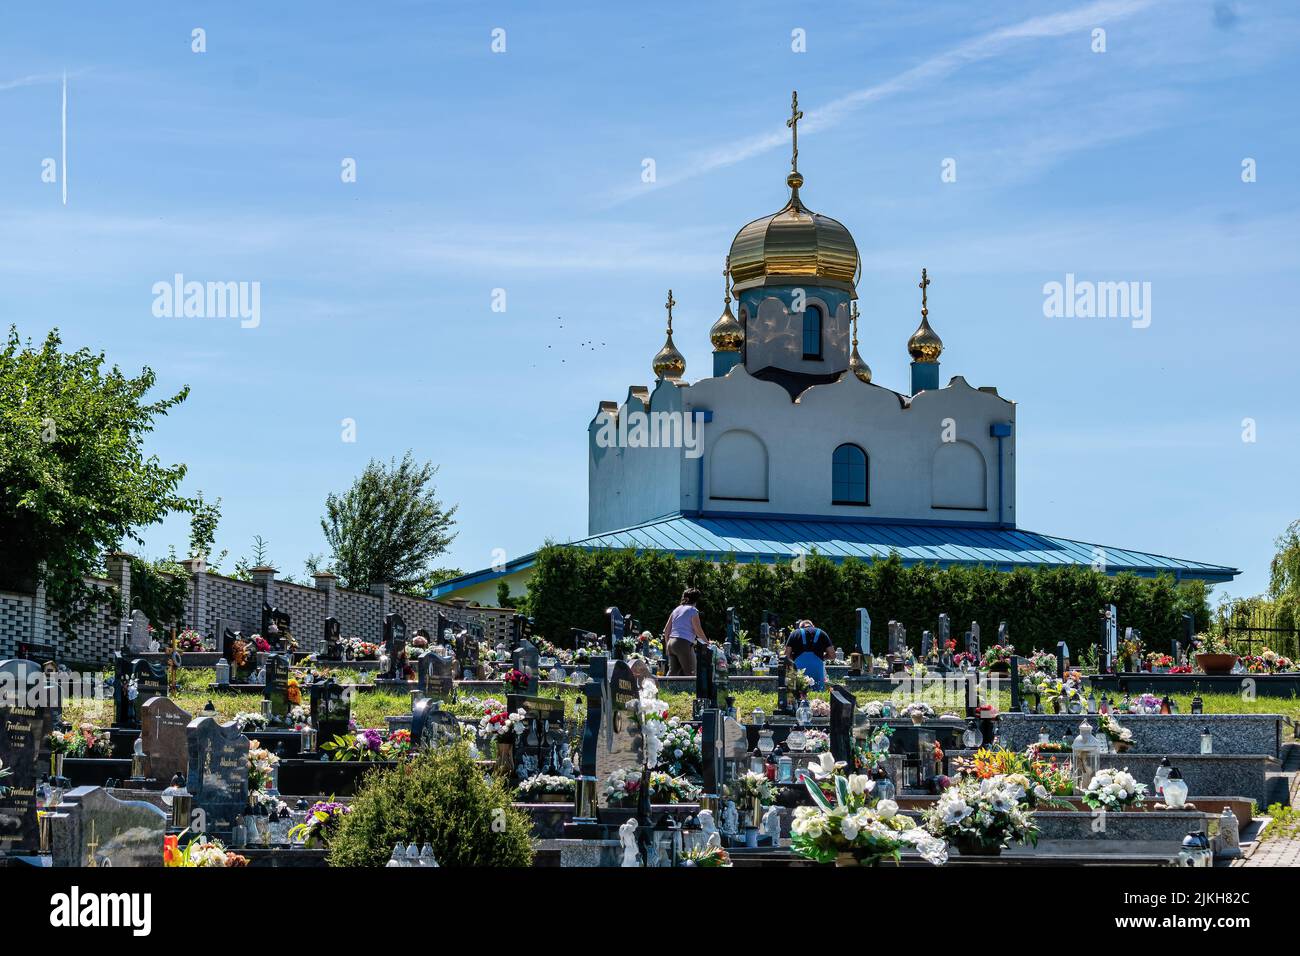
(809, 647)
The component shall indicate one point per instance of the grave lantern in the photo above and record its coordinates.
(785, 769)
(223, 671)
(1043, 736)
(1175, 789)
(1162, 774)
(1207, 741)
(1086, 757)
(307, 738)
(1196, 851)
(1198, 705)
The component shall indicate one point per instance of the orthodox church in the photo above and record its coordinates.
(790, 447)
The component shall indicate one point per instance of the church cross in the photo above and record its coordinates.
(796, 115)
(669, 306)
(925, 281)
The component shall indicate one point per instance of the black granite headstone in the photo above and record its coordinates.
(615, 627)
(437, 676)
(395, 647)
(843, 707)
(331, 709)
(277, 686)
(218, 774)
(332, 647)
(26, 721)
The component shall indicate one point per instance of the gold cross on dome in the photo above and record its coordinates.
(925, 281)
(793, 122)
(669, 306)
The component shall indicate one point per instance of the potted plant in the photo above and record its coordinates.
(1214, 655)
(997, 659)
(980, 817)
(546, 788)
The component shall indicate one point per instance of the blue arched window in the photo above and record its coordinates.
(812, 333)
(849, 476)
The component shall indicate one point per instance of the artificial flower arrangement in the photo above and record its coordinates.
(681, 752)
(364, 650)
(1120, 737)
(1212, 644)
(1040, 781)
(540, 784)
(1130, 649)
(368, 744)
(261, 643)
(964, 659)
(249, 720)
(323, 820)
(266, 804)
(1268, 662)
(1181, 669)
(851, 822)
(1156, 659)
(705, 856)
(1144, 704)
(398, 744)
(515, 679)
(816, 741)
(621, 787)
(1043, 661)
(1112, 789)
(299, 716)
(875, 709)
(917, 708)
(998, 655)
(800, 683)
(749, 785)
(209, 854)
(982, 815)
(293, 691)
(189, 641)
(82, 741)
(418, 643)
(502, 725)
(261, 766)
(819, 708)
(665, 788)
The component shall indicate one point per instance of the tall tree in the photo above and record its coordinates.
(74, 479)
(388, 527)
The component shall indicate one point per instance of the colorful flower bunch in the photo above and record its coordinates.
(261, 766)
(368, 744)
(515, 679)
(816, 741)
(209, 853)
(189, 641)
(707, 855)
(819, 708)
(621, 787)
(852, 820)
(998, 654)
(1156, 659)
(1043, 661)
(964, 659)
(665, 788)
(1144, 704)
(364, 650)
(1112, 789)
(988, 812)
(261, 643)
(1268, 662)
(323, 820)
(501, 723)
(82, 741)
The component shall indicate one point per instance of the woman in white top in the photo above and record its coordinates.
(680, 634)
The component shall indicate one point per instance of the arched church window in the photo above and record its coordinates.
(812, 332)
(849, 476)
(738, 467)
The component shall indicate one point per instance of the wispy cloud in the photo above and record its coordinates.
(929, 71)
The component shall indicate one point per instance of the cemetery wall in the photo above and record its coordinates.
(24, 618)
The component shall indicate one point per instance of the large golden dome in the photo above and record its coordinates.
(794, 244)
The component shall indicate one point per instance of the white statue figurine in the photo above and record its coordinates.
(627, 837)
(772, 825)
(730, 818)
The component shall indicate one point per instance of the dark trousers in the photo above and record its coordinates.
(681, 657)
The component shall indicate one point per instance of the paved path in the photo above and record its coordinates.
(1281, 852)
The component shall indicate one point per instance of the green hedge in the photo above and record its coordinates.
(571, 587)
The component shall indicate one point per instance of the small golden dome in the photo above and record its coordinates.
(858, 367)
(727, 334)
(668, 362)
(925, 344)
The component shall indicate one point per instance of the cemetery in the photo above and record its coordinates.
(257, 748)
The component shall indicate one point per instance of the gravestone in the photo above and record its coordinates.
(1004, 636)
(706, 678)
(162, 732)
(735, 745)
(119, 833)
(615, 627)
(733, 632)
(332, 643)
(275, 628)
(1062, 658)
(240, 653)
(431, 726)
(1109, 637)
(973, 641)
(218, 773)
(843, 707)
(622, 747)
(437, 676)
(895, 645)
(713, 754)
(134, 682)
(525, 658)
(138, 642)
(783, 687)
(277, 687)
(521, 629)
(395, 647)
(769, 624)
(543, 731)
(927, 645)
(864, 635)
(26, 719)
(331, 709)
(1017, 694)
(945, 633)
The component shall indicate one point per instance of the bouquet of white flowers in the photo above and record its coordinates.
(501, 723)
(681, 752)
(1113, 789)
(749, 785)
(982, 816)
(543, 783)
(857, 826)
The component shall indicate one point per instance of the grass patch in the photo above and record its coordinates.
(1285, 823)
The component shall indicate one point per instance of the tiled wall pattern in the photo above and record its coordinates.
(214, 597)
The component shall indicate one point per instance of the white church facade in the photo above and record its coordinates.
(790, 447)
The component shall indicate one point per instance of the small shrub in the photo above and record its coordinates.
(439, 798)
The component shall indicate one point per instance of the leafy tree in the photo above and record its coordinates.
(388, 527)
(74, 479)
(1284, 576)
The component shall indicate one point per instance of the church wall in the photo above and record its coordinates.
(774, 333)
(628, 484)
(901, 444)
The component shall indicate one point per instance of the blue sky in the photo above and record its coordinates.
(522, 170)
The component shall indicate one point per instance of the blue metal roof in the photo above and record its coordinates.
(770, 538)
(753, 538)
